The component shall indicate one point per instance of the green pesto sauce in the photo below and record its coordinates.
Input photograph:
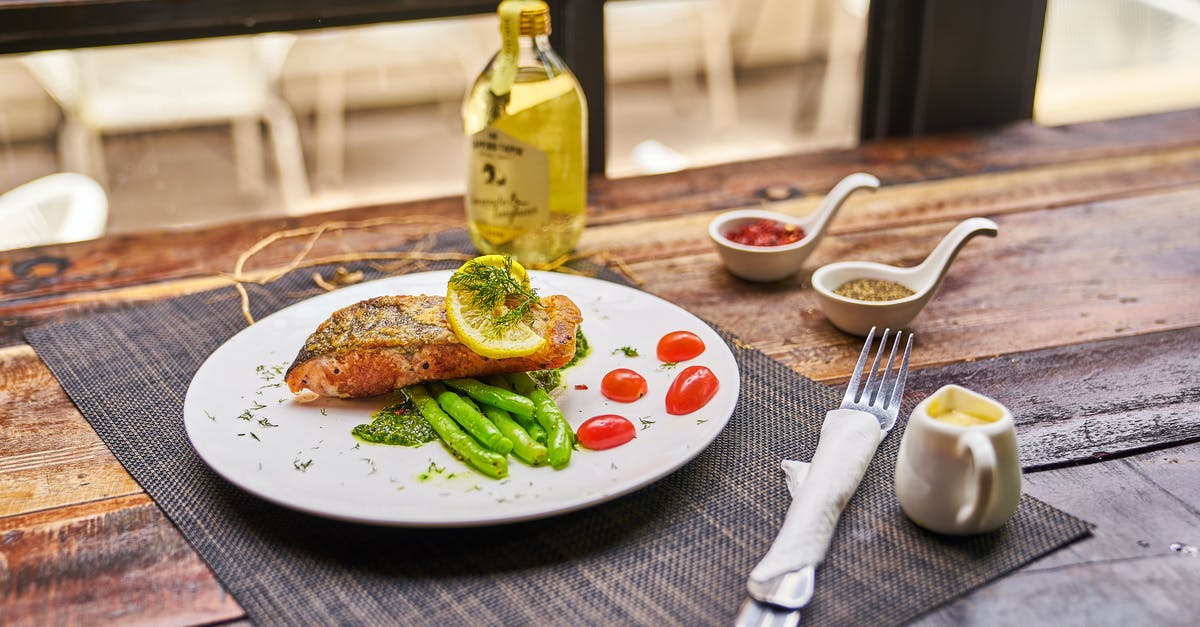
(582, 348)
(399, 424)
(551, 379)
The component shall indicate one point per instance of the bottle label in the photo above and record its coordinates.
(508, 188)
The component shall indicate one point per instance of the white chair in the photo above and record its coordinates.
(54, 209)
(175, 85)
(383, 65)
(649, 38)
(841, 88)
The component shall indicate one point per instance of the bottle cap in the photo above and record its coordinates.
(535, 16)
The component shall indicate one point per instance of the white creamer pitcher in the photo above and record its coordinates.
(958, 472)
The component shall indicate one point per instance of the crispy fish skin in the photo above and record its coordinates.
(388, 342)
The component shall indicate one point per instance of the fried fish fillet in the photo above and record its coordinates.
(388, 342)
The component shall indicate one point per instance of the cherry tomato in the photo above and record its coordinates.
(623, 385)
(605, 431)
(691, 390)
(679, 346)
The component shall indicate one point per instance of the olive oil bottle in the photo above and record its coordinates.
(525, 119)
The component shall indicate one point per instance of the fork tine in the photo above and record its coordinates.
(883, 393)
(869, 391)
(902, 374)
(852, 386)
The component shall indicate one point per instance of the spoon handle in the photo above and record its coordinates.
(933, 269)
(836, 198)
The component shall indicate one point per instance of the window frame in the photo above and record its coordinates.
(942, 65)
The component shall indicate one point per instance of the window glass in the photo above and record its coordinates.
(186, 133)
(214, 130)
(698, 82)
(1112, 58)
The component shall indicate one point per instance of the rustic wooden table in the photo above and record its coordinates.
(1084, 314)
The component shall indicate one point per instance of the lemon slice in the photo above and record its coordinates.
(476, 326)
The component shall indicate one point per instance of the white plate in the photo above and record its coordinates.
(303, 456)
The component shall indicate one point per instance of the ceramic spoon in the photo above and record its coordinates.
(771, 263)
(858, 316)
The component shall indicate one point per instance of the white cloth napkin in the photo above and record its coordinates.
(820, 490)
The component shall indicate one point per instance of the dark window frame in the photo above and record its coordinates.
(29, 25)
(943, 65)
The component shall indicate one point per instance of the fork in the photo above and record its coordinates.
(783, 581)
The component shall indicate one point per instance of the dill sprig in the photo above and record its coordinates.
(494, 289)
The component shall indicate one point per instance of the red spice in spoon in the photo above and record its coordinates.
(766, 233)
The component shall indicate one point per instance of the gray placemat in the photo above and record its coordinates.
(676, 552)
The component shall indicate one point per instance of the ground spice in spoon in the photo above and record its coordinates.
(873, 290)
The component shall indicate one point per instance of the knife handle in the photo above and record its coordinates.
(848, 441)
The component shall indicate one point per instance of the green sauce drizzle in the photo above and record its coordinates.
(551, 379)
(582, 348)
(399, 424)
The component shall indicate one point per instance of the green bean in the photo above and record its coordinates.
(462, 445)
(524, 446)
(470, 419)
(559, 436)
(531, 426)
(495, 396)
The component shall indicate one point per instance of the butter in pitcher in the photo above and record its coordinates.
(963, 410)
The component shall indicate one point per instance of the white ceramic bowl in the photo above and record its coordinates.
(758, 263)
(858, 316)
(772, 263)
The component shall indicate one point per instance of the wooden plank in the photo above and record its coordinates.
(49, 455)
(57, 515)
(1147, 591)
(56, 282)
(126, 260)
(925, 202)
(1140, 567)
(1051, 278)
(1088, 402)
(1161, 156)
(111, 561)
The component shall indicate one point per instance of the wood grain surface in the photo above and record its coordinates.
(1082, 316)
(109, 561)
(1089, 402)
(1051, 278)
(49, 455)
(925, 181)
(1140, 567)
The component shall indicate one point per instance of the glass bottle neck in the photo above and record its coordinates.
(532, 46)
(535, 51)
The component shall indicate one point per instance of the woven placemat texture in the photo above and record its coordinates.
(674, 553)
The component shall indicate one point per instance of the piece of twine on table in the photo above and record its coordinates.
(421, 252)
